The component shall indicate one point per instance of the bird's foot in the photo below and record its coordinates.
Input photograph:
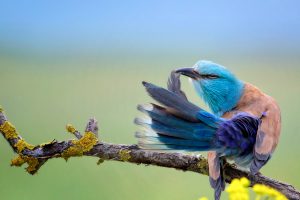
(253, 176)
(225, 164)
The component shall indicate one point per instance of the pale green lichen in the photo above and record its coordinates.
(22, 144)
(70, 128)
(124, 155)
(84, 144)
(8, 130)
(202, 166)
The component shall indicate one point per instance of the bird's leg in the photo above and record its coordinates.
(223, 164)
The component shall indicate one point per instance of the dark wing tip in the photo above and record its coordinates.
(149, 86)
(146, 84)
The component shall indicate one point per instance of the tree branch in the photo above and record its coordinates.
(88, 145)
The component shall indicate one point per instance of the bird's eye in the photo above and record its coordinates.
(209, 76)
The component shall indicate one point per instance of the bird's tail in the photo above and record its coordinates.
(177, 124)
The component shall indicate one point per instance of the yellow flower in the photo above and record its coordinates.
(263, 190)
(245, 182)
(238, 189)
(203, 198)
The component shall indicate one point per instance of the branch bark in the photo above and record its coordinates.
(88, 145)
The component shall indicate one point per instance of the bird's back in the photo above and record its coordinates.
(257, 103)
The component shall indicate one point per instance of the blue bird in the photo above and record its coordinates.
(243, 128)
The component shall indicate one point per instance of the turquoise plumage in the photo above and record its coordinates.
(223, 93)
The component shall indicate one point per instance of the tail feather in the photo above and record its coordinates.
(170, 143)
(166, 124)
(181, 107)
(161, 114)
(165, 147)
(174, 102)
(160, 119)
(170, 131)
(164, 131)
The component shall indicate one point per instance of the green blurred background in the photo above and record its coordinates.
(65, 62)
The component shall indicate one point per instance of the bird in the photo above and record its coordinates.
(243, 126)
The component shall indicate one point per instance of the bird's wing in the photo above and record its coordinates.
(267, 137)
(174, 84)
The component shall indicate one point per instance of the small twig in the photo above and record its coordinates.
(92, 126)
(70, 128)
(88, 145)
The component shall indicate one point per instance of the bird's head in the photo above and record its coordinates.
(218, 87)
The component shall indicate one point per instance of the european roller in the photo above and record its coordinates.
(242, 128)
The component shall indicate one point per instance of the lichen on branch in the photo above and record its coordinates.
(79, 147)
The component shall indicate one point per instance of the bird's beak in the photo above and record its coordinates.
(189, 71)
